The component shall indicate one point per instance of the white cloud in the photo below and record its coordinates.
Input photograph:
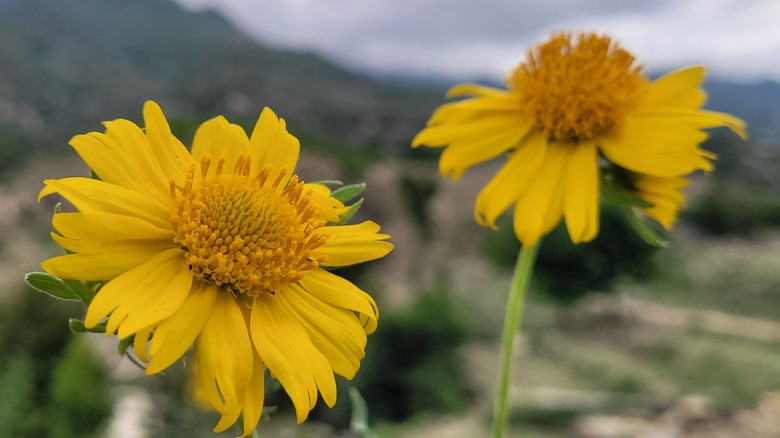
(739, 39)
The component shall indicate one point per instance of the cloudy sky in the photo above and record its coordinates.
(736, 39)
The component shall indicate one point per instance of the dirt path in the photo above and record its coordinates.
(710, 321)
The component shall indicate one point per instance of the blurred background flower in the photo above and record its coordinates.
(577, 113)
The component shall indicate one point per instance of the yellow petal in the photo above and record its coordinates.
(339, 292)
(87, 246)
(474, 89)
(224, 347)
(175, 160)
(352, 244)
(699, 119)
(465, 153)
(228, 419)
(143, 296)
(203, 382)
(447, 133)
(146, 174)
(334, 331)
(223, 141)
(666, 196)
(123, 156)
(106, 226)
(254, 398)
(328, 208)
(271, 144)
(119, 164)
(540, 207)
(160, 291)
(140, 342)
(104, 262)
(290, 356)
(655, 147)
(469, 109)
(581, 193)
(92, 196)
(679, 89)
(176, 334)
(252, 406)
(513, 178)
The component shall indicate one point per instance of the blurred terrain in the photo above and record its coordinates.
(619, 340)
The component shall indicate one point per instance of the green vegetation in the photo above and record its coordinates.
(411, 365)
(79, 398)
(569, 271)
(353, 159)
(733, 210)
(417, 190)
(52, 383)
(15, 147)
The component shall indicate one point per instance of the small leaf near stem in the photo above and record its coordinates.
(347, 215)
(647, 234)
(55, 286)
(358, 423)
(344, 194)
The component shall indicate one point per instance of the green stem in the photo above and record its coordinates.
(255, 433)
(514, 312)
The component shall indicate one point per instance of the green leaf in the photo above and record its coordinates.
(136, 361)
(52, 285)
(349, 213)
(346, 193)
(124, 344)
(358, 423)
(58, 208)
(647, 234)
(80, 289)
(77, 326)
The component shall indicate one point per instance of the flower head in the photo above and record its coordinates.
(577, 109)
(222, 248)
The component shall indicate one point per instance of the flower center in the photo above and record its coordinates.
(250, 235)
(577, 90)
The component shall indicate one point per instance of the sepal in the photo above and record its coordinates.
(344, 194)
(347, 215)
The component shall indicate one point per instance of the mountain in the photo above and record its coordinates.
(68, 64)
(758, 104)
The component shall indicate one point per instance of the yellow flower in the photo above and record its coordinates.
(577, 107)
(222, 249)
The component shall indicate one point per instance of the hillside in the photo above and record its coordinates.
(69, 64)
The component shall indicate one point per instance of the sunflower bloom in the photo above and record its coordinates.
(222, 249)
(575, 110)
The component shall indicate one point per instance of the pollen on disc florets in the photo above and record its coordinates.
(575, 90)
(249, 234)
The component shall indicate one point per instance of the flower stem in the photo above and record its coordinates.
(514, 312)
(255, 433)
